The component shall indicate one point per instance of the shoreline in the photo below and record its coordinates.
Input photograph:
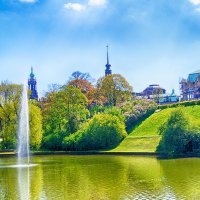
(4, 154)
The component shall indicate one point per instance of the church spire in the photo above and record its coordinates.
(108, 71)
(32, 74)
(107, 55)
(32, 84)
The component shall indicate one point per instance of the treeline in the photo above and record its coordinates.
(76, 116)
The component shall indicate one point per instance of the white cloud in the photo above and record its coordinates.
(195, 2)
(28, 1)
(81, 7)
(96, 2)
(75, 6)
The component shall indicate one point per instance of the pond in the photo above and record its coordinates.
(99, 178)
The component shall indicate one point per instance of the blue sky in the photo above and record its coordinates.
(151, 41)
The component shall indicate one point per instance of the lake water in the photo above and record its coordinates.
(100, 178)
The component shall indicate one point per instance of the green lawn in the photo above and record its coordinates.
(7, 153)
(138, 144)
(145, 137)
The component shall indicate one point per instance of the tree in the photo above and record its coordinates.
(114, 88)
(137, 110)
(86, 88)
(10, 96)
(77, 75)
(157, 95)
(178, 136)
(63, 113)
(101, 132)
(36, 131)
(54, 87)
(9, 104)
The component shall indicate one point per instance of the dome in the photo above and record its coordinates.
(153, 89)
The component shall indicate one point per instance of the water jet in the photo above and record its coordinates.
(23, 150)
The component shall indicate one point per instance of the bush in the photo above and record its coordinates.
(136, 110)
(107, 110)
(103, 131)
(179, 104)
(53, 141)
(115, 112)
(96, 110)
(178, 136)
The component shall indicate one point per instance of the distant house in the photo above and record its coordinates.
(153, 89)
(158, 94)
(190, 87)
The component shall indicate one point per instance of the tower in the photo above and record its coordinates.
(32, 85)
(108, 71)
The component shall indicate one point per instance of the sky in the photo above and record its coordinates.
(150, 41)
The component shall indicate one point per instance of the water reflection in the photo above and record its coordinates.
(183, 176)
(101, 177)
(24, 183)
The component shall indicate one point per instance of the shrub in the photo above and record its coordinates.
(103, 131)
(115, 112)
(107, 110)
(178, 136)
(53, 141)
(136, 110)
(179, 104)
(96, 109)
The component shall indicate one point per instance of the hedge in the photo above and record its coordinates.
(183, 103)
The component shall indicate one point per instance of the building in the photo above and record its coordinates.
(190, 87)
(158, 94)
(32, 85)
(108, 70)
(153, 89)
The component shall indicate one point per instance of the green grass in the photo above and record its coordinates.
(138, 144)
(7, 153)
(145, 137)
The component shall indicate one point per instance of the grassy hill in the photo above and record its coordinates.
(145, 137)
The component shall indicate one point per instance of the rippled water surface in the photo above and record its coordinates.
(100, 177)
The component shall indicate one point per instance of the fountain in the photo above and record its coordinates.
(23, 164)
(23, 147)
(23, 131)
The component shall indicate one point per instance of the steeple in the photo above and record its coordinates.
(108, 71)
(32, 74)
(107, 56)
(32, 85)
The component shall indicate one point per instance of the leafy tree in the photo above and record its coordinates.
(178, 136)
(114, 88)
(9, 104)
(97, 109)
(136, 110)
(63, 113)
(114, 111)
(157, 95)
(101, 132)
(36, 131)
(10, 96)
(86, 88)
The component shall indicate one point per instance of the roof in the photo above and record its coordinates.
(194, 76)
(154, 86)
(195, 72)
